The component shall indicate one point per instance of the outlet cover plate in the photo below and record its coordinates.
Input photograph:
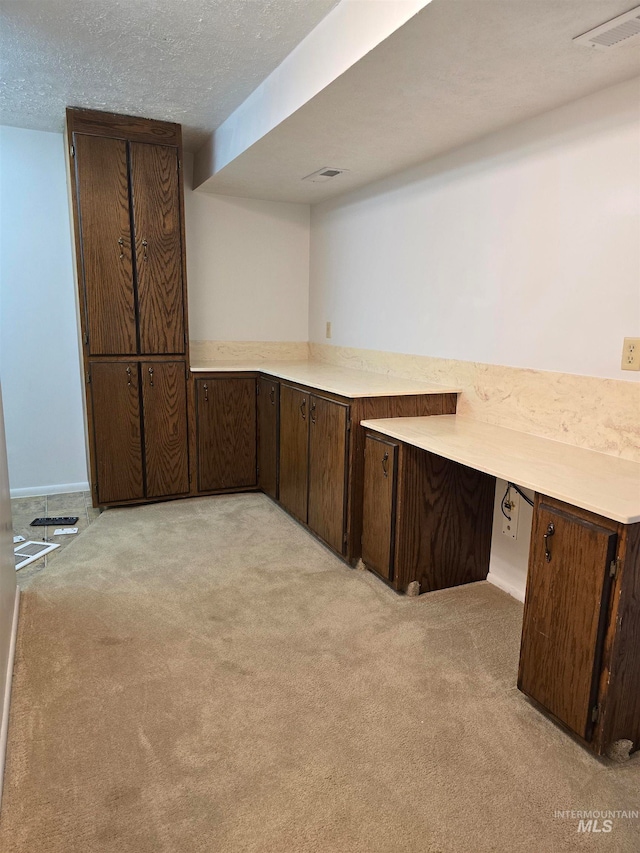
(631, 354)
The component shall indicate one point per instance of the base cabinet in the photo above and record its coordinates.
(139, 430)
(580, 652)
(379, 505)
(425, 519)
(328, 470)
(294, 450)
(226, 433)
(268, 435)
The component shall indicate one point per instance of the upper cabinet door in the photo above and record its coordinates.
(105, 240)
(158, 247)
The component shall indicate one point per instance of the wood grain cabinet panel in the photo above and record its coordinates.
(568, 587)
(165, 428)
(439, 519)
(294, 450)
(126, 187)
(328, 470)
(107, 288)
(115, 400)
(226, 433)
(158, 254)
(379, 505)
(268, 428)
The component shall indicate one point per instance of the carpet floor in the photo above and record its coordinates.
(203, 675)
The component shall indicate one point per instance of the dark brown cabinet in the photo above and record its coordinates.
(379, 505)
(572, 566)
(431, 516)
(129, 235)
(226, 433)
(314, 462)
(294, 450)
(328, 470)
(117, 435)
(140, 430)
(268, 434)
(164, 405)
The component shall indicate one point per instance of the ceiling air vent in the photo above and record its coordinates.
(324, 174)
(614, 33)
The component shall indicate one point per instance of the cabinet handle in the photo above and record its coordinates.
(205, 388)
(144, 246)
(303, 409)
(151, 376)
(551, 529)
(385, 458)
(129, 375)
(121, 243)
(272, 395)
(312, 413)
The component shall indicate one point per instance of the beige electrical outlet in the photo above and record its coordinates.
(631, 354)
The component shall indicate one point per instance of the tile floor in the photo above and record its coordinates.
(24, 510)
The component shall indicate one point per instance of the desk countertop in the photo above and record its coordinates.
(606, 485)
(335, 380)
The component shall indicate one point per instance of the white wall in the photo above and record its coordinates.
(522, 249)
(8, 597)
(39, 359)
(247, 268)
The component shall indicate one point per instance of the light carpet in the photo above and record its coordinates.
(203, 675)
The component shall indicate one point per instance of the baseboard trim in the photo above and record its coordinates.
(38, 491)
(6, 699)
(505, 586)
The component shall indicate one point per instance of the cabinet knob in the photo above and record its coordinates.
(303, 409)
(205, 388)
(551, 529)
(385, 459)
(144, 246)
(312, 413)
(121, 244)
(151, 376)
(129, 375)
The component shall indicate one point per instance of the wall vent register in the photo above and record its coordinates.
(613, 33)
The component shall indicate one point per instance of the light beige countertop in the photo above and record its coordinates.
(326, 377)
(606, 485)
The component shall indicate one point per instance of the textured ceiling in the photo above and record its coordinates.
(458, 70)
(189, 61)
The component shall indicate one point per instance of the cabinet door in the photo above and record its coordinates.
(378, 513)
(164, 401)
(294, 450)
(328, 470)
(102, 186)
(115, 402)
(565, 613)
(226, 413)
(158, 247)
(268, 407)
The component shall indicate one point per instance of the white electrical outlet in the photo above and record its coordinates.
(631, 354)
(328, 333)
(512, 508)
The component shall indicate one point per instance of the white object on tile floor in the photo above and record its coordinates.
(61, 531)
(29, 551)
(18, 539)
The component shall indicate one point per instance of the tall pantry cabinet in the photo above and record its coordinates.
(128, 211)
